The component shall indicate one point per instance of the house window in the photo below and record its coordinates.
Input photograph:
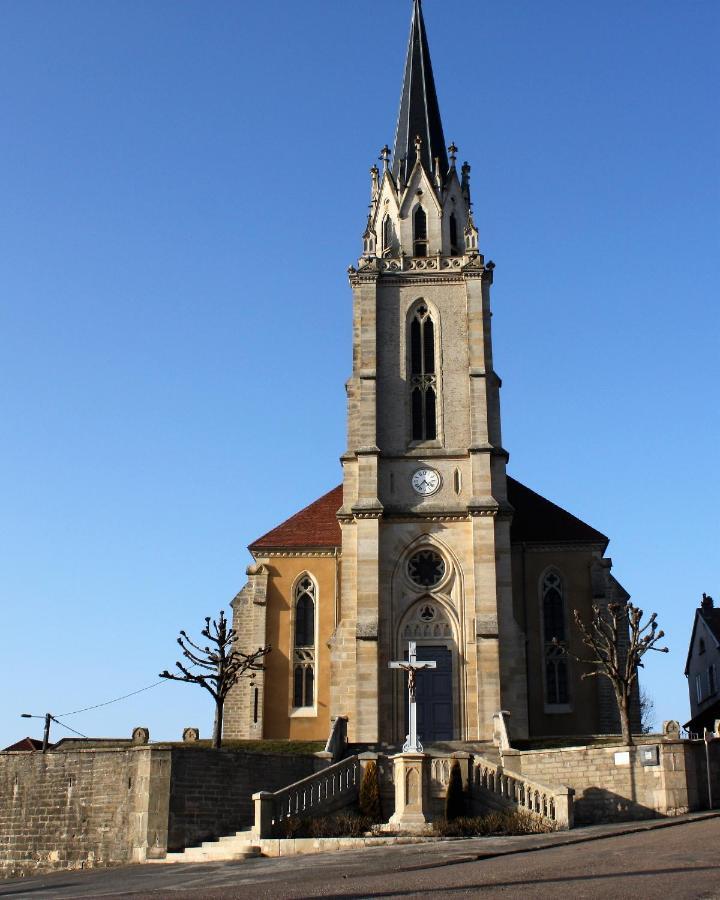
(701, 646)
(712, 680)
(556, 665)
(699, 688)
(420, 232)
(423, 381)
(304, 644)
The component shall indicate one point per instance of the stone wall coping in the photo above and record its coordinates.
(608, 748)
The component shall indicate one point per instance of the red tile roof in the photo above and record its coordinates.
(27, 743)
(536, 520)
(314, 526)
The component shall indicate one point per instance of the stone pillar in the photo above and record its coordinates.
(564, 809)
(411, 790)
(463, 759)
(263, 824)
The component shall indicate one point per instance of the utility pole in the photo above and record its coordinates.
(46, 733)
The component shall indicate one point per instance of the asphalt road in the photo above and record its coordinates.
(682, 861)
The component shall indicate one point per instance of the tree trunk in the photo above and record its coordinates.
(623, 702)
(217, 727)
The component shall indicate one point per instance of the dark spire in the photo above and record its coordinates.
(419, 109)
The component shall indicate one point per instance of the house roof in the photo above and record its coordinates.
(27, 743)
(536, 520)
(711, 618)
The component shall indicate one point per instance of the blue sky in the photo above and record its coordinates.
(183, 187)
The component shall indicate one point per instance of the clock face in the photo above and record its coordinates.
(426, 482)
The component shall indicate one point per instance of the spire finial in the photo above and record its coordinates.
(453, 151)
(418, 146)
(385, 157)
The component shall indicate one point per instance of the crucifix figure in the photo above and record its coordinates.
(412, 666)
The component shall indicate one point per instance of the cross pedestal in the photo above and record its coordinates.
(411, 789)
(411, 776)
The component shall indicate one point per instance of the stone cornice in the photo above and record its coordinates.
(287, 553)
(560, 547)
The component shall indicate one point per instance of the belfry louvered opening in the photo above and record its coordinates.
(423, 378)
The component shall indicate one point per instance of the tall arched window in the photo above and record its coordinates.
(423, 381)
(556, 666)
(388, 236)
(453, 235)
(304, 643)
(420, 232)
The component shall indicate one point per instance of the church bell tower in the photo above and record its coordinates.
(425, 520)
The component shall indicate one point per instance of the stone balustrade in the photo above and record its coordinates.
(318, 795)
(493, 785)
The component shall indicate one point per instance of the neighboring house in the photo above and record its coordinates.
(703, 667)
(27, 743)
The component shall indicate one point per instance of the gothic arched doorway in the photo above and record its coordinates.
(428, 624)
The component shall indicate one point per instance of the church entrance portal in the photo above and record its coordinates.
(434, 696)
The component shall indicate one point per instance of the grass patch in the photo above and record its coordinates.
(496, 823)
(294, 748)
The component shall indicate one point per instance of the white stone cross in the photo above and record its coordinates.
(412, 666)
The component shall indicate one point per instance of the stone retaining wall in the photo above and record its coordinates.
(100, 807)
(211, 791)
(612, 784)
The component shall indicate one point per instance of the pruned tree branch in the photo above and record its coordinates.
(222, 664)
(618, 640)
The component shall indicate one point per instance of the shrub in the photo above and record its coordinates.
(495, 823)
(370, 793)
(343, 825)
(291, 828)
(455, 798)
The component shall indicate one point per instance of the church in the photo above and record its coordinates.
(427, 538)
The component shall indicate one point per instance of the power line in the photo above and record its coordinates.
(79, 733)
(116, 700)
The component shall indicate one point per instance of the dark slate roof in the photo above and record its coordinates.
(26, 743)
(536, 520)
(315, 526)
(712, 617)
(419, 109)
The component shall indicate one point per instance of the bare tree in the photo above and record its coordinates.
(647, 713)
(222, 665)
(618, 641)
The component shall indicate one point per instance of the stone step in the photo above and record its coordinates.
(215, 852)
(238, 836)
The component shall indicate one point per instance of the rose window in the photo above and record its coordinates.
(426, 568)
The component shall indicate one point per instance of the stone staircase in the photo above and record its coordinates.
(232, 847)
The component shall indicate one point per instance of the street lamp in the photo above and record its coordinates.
(46, 734)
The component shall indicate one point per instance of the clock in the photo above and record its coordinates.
(426, 482)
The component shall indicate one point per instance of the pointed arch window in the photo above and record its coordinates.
(423, 380)
(420, 232)
(554, 629)
(388, 236)
(453, 235)
(304, 643)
